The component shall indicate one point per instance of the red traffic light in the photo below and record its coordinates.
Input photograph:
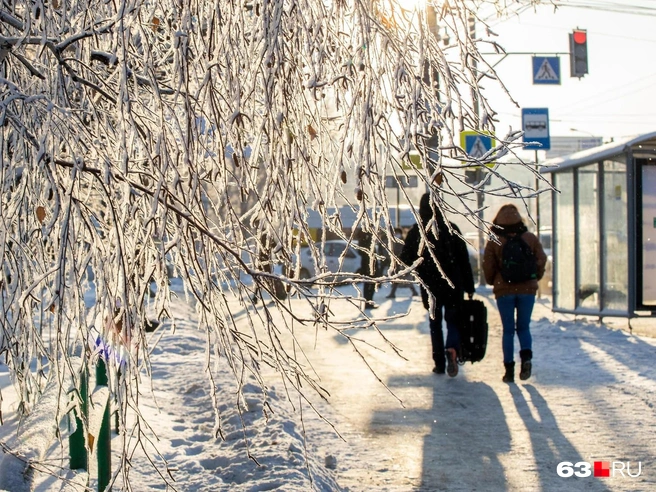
(580, 37)
(578, 52)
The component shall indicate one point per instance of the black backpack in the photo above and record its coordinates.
(518, 263)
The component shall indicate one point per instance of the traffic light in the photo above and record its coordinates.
(578, 53)
(471, 176)
(474, 176)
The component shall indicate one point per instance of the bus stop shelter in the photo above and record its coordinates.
(604, 229)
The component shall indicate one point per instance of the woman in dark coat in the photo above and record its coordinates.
(364, 242)
(451, 253)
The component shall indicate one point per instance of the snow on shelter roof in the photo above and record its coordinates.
(595, 154)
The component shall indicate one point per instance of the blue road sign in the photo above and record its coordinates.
(546, 70)
(535, 124)
(476, 144)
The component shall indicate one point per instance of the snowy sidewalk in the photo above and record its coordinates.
(591, 399)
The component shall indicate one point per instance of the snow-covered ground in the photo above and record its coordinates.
(591, 399)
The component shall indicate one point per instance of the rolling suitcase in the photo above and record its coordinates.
(473, 331)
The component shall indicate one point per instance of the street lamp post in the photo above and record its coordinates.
(431, 76)
(432, 143)
(480, 173)
(480, 195)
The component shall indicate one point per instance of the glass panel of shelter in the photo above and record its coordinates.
(648, 232)
(587, 291)
(615, 246)
(564, 244)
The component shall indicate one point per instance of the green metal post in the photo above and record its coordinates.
(104, 442)
(77, 440)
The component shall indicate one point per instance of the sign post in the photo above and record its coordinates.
(535, 124)
(476, 144)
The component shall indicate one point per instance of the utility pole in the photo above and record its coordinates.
(431, 76)
(537, 196)
(398, 202)
(537, 208)
(432, 142)
(480, 173)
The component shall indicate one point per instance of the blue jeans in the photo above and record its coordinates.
(437, 336)
(523, 304)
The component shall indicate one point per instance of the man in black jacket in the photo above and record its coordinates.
(450, 251)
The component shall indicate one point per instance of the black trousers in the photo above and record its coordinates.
(451, 316)
(368, 291)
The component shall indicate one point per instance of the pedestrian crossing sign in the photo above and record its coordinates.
(477, 144)
(546, 70)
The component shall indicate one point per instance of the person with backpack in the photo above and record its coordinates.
(450, 251)
(513, 265)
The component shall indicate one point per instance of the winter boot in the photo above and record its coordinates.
(525, 371)
(509, 376)
(451, 362)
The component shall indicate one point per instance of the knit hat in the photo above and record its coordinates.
(508, 221)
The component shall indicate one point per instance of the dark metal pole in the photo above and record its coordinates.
(480, 199)
(398, 201)
(432, 76)
(537, 209)
(537, 196)
(480, 172)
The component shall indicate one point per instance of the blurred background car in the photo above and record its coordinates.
(339, 254)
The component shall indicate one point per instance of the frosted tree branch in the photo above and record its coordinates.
(148, 141)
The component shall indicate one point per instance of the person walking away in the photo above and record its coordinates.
(397, 249)
(513, 266)
(364, 242)
(450, 251)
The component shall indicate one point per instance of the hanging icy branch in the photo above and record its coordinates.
(145, 142)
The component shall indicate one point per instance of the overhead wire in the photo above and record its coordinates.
(519, 7)
(609, 6)
(598, 95)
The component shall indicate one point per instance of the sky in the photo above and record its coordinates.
(615, 99)
(590, 398)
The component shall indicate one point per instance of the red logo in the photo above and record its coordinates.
(602, 469)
